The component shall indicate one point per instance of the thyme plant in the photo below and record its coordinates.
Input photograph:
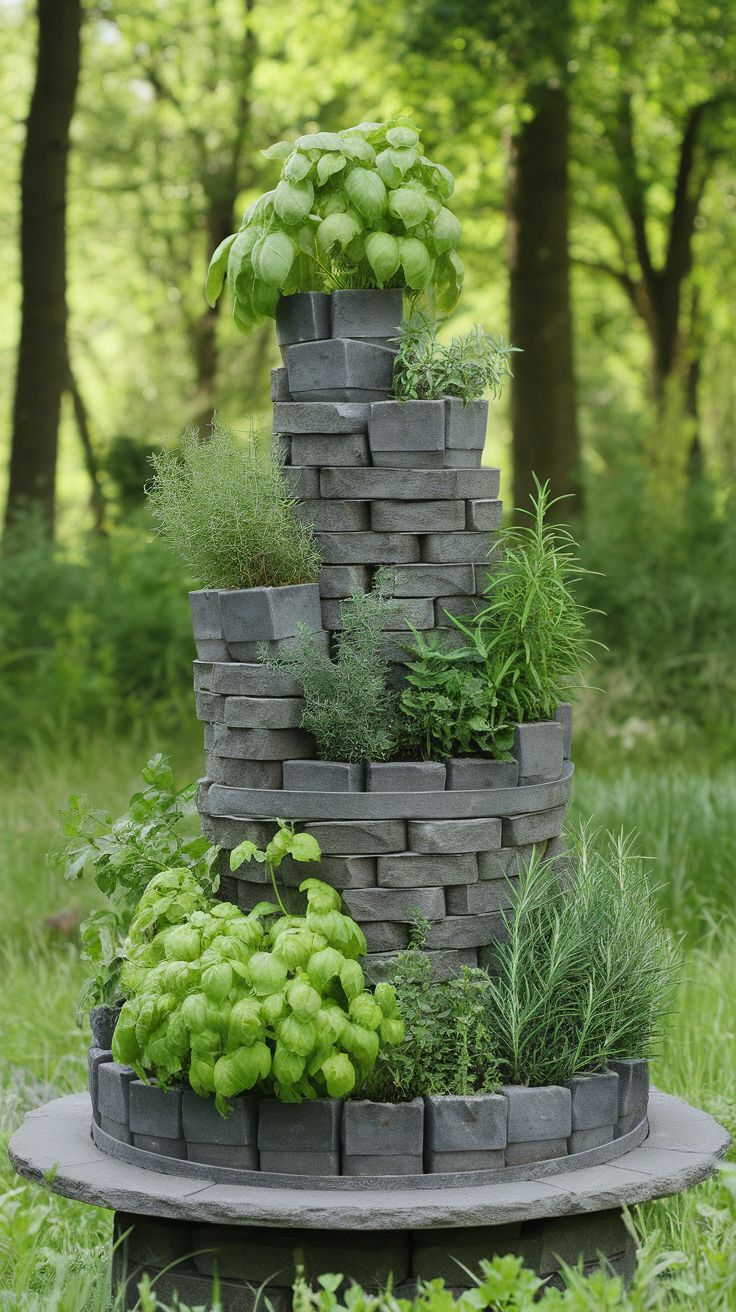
(425, 369)
(226, 508)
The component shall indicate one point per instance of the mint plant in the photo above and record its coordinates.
(123, 856)
(453, 704)
(361, 208)
(426, 370)
(233, 1002)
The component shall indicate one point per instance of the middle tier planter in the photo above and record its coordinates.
(230, 625)
(343, 369)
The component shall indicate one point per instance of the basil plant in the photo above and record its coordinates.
(264, 1001)
(361, 208)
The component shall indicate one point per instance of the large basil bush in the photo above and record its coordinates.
(361, 208)
(263, 1001)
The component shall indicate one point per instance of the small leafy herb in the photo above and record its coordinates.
(426, 370)
(452, 704)
(227, 510)
(234, 1002)
(358, 208)
(348, 705)
(124, 855)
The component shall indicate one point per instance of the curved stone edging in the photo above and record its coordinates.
(249, 803)
(608, 1152)
(54, 1148)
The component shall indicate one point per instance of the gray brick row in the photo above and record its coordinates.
(414, 485)
(417, 611)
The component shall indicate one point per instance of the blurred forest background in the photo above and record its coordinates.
(592, 143)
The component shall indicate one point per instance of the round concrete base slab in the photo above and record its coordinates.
(54, 1148)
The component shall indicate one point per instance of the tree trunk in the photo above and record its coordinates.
(42, 359)
(545, 436)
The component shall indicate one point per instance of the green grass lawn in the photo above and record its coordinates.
(53, 1253)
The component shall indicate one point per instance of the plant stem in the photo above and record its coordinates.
(272, 872)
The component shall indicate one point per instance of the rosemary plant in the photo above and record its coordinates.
(425, 369)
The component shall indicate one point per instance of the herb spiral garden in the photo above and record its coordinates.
(382, 1016)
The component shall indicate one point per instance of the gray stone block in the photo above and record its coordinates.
(359, 838)
(625, 1124)
(336, 516)
(417, 516)
(408, 610)
(281, 449)
(437, 1252)
(263, 712)
(367, 313)
(503, 863)
(203, 1124)
(594, 1100)
(338, 871)
(468, 772)
(466, 931)
(113, 1091)
(155, 1111)
(340, 581)
(450, 836)
(538, 749)
(218, 1154)
(459, 607)
(238, 679)
(404, 776)
(163, 1147)
(593, 1234)
(416, 485)
(303, 1162)
(303, 317)
(463, 459)
(433, 580)
(397, 905)
(324, 776)
(379, 966)
(116, 1129)
(408, 459)
(406, 426)
(204, 605)
(330, 449)
(465, 424)
(280, 385)
(563, 716)
(535, 1150)
(581, 1141)
(254, 651)
(533, 827)
(226, 831)
(456, 548)
(464, 1124)
(262, 744)
(367, 548)
(287, 1127)
(383, 1128)
(483, 516)
(202, 673)
(102, 1022)
(633, 1085)
(267, 614)
(382, 1164)
(481, 899)
(535, 1114)
(342, 369)
(383, 936)
(234, 773)
(303, 480)
(95, 1058)
(250, 895)
(209, 707)
(152, 1241)
(487, 1159)
(415, 870)
(322, 417)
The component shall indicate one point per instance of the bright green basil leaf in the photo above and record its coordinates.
(243, 852)
(293, 200)
(360, 1043)
(276, 254)
(336, 228)
(305, 848)
(297, 1035)
(297, 167)
(330, 1021)
(363, 1010)
(382, 250)
(324, 966)
(356, 945)
(353, 981)
(182, 944)
(416, 262)
(239, 261)
(336, 202)
(387, 170)
(267, 973)
(273, 1007)
(358, 148)
(307, 240)
(279, 150)
(295, 949)
(403, 160)
(202, 1076)
(245, 1022)
(320, 141)
(304, 1001)
(392, 1032)
(385, 996)
(367, 192)
(217, 982)
(319, 895)
(447, 230)
(408, 206)
(288, 1067)
(339, 1074)
(217, 270)
(194, 1011)
(329, 164)
(402, 137)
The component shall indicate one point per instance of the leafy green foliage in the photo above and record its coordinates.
(124, 855)
(448, 1047)
(228, 512)
(588, 972)
(358, 208)
(453, 703)
(285, 842)
(237, 1002)
(348, 705)
(426, 370)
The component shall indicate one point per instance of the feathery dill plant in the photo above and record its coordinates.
(589, 971)
(348, 705)
(533, 628)
(226, 508)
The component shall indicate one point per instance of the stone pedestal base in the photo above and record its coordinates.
(366, 1233)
